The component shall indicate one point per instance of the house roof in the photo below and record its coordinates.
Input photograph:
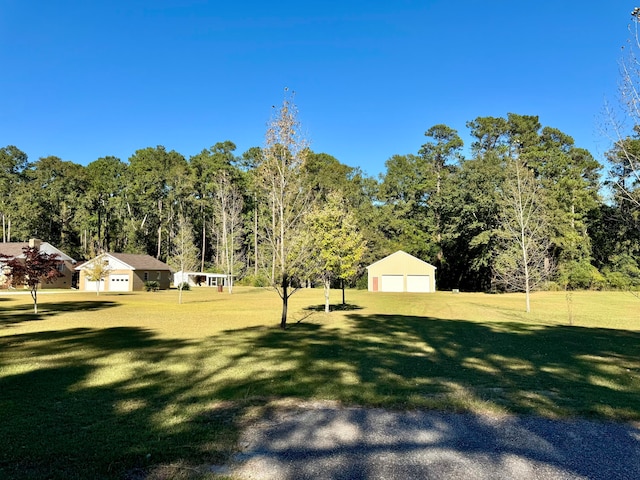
(140, 262)
(133, 261)
(400, 253)
(14, 249)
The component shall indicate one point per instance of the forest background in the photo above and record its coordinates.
(435, 203)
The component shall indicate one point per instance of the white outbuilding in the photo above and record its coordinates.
(200, 279)
(401, 272)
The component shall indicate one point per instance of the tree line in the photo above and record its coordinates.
(252, 213)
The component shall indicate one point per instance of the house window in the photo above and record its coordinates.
(146, 276)
(158, 276)
(60, 267)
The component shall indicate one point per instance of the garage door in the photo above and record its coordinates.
(90, 286)
(418, 283)
(119, 283)
(392, 283)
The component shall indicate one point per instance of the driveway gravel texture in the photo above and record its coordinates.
(327, 441)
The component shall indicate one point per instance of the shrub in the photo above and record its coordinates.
(362, 282)
(580, 275)
(552, 287)
(618, 280)
(623, 273)
(184, 286)
(151, 286)
(254, 281)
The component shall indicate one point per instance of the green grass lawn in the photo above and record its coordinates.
(120, 385)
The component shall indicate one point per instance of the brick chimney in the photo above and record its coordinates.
(35, 243)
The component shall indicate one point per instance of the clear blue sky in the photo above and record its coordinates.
(86, 79)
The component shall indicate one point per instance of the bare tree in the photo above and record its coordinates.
(229, 214)
(184, 253)
(281, 179)
(623, 125)
(522, 261)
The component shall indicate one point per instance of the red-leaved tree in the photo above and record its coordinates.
(32, 269)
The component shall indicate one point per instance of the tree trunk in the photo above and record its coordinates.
(274, 251)
(63, 225)
(285, 302)
(255, 236)
(106, 232)
(159, 228)
(34, 295)
(99, 229)
(327, 286)
(232, 257)
(159, 242)
(525, 261)
(342, 284)
(204, 242)
(225, 238)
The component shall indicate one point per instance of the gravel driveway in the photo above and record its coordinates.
(332, 442)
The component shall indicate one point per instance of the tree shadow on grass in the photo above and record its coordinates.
(123, 403)
(24, 312)
(425, 362)
(91, 403)
(409, 362)
(334, 307)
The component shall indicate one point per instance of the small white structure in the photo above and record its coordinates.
(200, 279)
(401, 272)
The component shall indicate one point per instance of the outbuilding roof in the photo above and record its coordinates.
(400, 253)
